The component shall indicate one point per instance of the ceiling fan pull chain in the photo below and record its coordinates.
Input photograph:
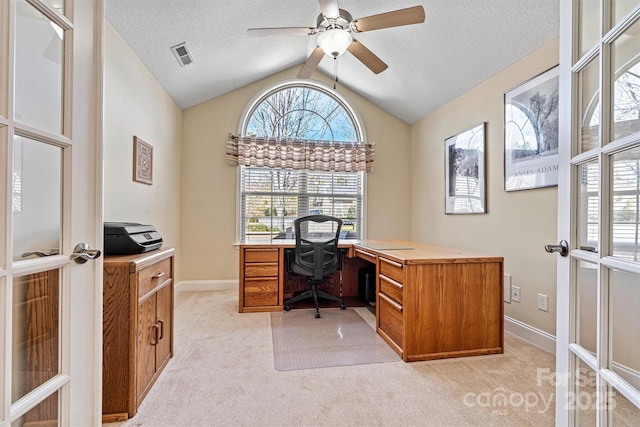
(335, 72)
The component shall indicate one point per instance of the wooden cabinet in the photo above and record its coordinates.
(260, 276)
(137, 328)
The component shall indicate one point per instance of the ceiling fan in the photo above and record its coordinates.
(335, 27)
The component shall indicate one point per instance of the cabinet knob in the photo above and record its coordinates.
(158, 275)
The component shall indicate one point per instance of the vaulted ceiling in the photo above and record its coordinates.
(460, 44)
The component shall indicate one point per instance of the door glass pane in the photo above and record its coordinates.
(588, 206)
(589, 106)
(624, 294)
(625, 206)
(587, 283)
(37, 222)
(625, 117)
(584, 402)
(38, 69)
(35, 337)
(589, 24)
(623, 412)
(43, 415)
(622, 7)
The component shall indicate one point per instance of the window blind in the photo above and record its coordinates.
(271, 199)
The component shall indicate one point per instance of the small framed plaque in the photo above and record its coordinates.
(142, 161)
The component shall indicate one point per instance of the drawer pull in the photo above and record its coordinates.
(392, 302)
(365, 255)
(158, 275)
(391, 282)
(393, 263)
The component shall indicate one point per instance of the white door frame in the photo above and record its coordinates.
(568, 352)
(80, 344)
(565, 207)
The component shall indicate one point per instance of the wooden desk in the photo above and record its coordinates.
(431, 302)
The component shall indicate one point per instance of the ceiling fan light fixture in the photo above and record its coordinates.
(334, 42)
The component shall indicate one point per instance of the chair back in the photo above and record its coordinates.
(317, 244)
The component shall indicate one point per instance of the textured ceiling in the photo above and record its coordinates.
(461, 44)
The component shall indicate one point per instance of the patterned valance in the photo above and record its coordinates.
(299, 154)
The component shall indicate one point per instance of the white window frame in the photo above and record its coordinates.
(259, 97)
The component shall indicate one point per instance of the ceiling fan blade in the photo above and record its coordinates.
(396, 18)
(367, 57)
(312, 63)
(281, 31)
(329, 8)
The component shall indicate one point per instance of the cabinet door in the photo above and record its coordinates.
(164, 321)
(146, 348)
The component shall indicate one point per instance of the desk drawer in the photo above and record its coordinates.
(365, 256)
(391, 288)
(392, 269)
(261, 269)
(260, 255)
(390, 319)
(260, 292)
(153, 276)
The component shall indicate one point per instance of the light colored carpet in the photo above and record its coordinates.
(338, 338)
(222, 374)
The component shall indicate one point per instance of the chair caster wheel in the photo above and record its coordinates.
(287, 308)
(317, 315)
(343, 307)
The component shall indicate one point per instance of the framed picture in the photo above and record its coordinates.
(531, 133)
(465, 172)
(142, 161)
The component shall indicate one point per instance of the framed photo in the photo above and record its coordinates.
(465, 172)
(531, 133)
(142, 161)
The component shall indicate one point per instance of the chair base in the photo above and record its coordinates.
(314, 293)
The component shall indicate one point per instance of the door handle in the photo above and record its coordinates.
(154, 334)
(562, 248)
(82, 253)
(161, 329)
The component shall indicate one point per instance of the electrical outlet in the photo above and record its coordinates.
(515, 293)
(507, 288)
(543, 302)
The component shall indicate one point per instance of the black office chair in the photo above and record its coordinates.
(316, 256)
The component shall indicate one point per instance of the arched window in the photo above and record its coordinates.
(272, 198)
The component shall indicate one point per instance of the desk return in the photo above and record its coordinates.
(431, 302)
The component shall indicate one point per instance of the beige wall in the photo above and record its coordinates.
(209, 185)
(136, 104)
(518, 224)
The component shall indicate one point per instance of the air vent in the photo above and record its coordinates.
(181, 51)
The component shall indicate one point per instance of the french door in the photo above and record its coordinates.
(50, 135)
(598, 323)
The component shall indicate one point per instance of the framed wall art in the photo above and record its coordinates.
(531, 133)
(142, 161)
(465, 172)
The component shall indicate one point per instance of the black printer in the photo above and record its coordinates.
(126, 238)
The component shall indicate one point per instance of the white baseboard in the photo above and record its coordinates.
(535, 336)
(206, 285)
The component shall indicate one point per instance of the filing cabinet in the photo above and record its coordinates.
(259, 278)
(390, 314)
